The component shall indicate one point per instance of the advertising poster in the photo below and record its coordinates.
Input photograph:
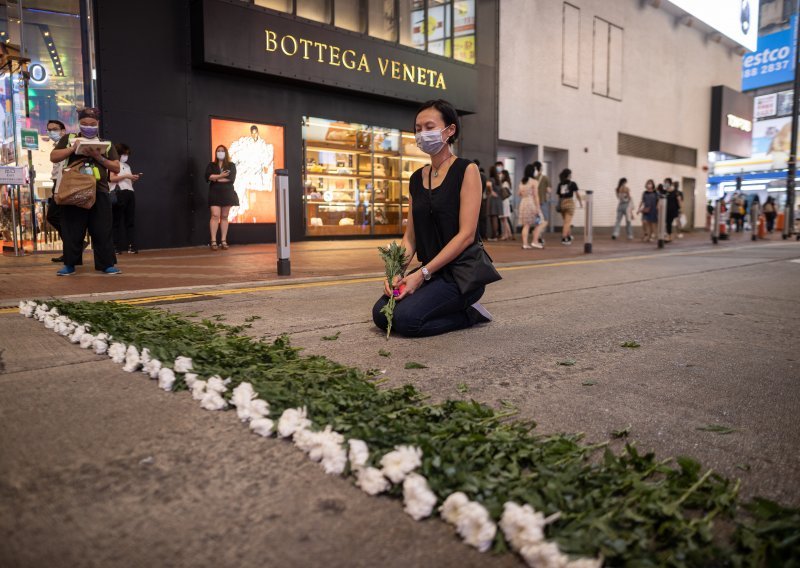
(464, 18)
(257, 150)
(771, 137)
(766, 106)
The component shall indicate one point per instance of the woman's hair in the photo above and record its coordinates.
(505, 176)
(227, 161)
(449, 115)
(649, 183)
(564, 175)
(620, 183)
(537, 165)
(122, 148)
(529, 172)
(493, 175)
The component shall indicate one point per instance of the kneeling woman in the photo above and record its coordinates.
(442, 222)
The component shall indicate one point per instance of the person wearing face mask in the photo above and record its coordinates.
(98, 220)
(55, 130)
(221, 174)
(124, 210)
(445, 201)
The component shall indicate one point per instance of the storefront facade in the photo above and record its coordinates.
(324, 89)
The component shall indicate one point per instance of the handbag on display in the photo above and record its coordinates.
(76, 188)
(472, 268)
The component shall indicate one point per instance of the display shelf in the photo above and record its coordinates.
(340, 176)
(344, 148)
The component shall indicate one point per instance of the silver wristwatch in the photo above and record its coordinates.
(426, 275)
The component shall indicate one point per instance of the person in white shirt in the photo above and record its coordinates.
(55, 130)
(124, 209)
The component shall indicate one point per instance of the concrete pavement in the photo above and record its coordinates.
(99, 468)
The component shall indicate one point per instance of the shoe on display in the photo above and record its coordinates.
(480, 314)
(112, 270)
(66, 271)
(58, 259)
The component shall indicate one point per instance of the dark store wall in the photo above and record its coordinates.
(154, 100)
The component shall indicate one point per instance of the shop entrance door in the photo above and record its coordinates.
(687, 186)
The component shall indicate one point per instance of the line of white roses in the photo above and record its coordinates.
(523, 527)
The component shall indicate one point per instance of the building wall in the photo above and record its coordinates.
(668, 70)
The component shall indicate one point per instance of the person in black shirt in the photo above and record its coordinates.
(220, 174)
(76, 220)
(567, 192)
(674, 204)
(445, 201)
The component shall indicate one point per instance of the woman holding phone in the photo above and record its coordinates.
(220, 174)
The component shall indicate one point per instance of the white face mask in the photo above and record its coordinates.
(430, 141)
(55, 135)
(220, 155)
(123, 158)
(499, 169)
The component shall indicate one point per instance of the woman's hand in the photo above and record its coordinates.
(389, 290)
(412, 283)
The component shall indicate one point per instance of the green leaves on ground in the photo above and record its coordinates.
(717, 429)
(567, 362)
(251, 319)
(631, 344)
(384, 353)
(628, 507)
(415, 365)
(333, 337)
(462, 388)
(621, 433)
(588, 383)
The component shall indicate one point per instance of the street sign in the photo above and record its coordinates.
(30, 139)
(13, 175)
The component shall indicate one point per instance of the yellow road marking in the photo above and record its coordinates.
(324, 283)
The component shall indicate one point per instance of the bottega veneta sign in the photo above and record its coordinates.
(233, 34)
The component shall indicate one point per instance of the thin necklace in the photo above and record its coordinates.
(436, 170)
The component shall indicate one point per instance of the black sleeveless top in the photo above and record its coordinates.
(437, 209)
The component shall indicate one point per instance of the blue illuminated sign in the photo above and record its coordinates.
(773, 62)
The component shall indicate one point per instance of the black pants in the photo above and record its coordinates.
(75, 221)
(671, 216)
(124, 213)
(54, 215)
(770, 221)
(437, 307)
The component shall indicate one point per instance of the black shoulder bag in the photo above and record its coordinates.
(471, 269)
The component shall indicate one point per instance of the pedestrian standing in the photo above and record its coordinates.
(530, 208)
(494, 202)
(648, 208)
(505, 218)
(737, 211)
(76, 220)
(220, 174)
(483, 218)
(442, 222)
(55, 130)
(770, 212)
(567, 193)
(674, 204)
(124, 208)
(624, 209)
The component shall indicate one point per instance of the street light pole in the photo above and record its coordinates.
(788, 222)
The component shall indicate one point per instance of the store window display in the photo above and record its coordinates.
(356, 177)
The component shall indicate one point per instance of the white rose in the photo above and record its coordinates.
(212, 400)
(585, 563)
(476, 527)
(100, 347)
(53, 312)
(372, 481)
(292, 420)
(262, 426)
(198, 389)
(151, 368)
(544, 555)
(359, 453)
(183, 364)
(117, 352)
(26, 309)
(131, 361)
(402, 461)
(166, 378)
(87, 341)
(49, 322)
(258, 409)
(452, 507)
(144, 356)
(418, 498)
(241, 399)
(189, 379)
(216, 384)
(522, 526)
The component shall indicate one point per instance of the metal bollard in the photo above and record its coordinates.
(755, 212)
(19, 249)
(715, 218)
(587, 225)
(662, 220)
(551, 209)
(282, 221)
